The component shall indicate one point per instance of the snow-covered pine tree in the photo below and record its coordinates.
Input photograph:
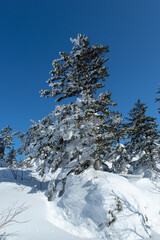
(81, 71)
(6, 141)
(2, 151)
(80, 128)
(83, 130)
(11, 157)
(37, 142)
(143, 135)
(83, 137)
(118, 156)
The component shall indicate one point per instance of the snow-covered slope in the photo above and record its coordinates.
(96, 205)
(33, 221)
(108, 206)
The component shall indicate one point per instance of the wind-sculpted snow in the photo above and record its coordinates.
(95, 205)
(107, 206)
(31, 224)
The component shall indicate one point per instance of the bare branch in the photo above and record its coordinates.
(8, 217)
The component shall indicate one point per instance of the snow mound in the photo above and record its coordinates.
(101, 205)
(32, 223)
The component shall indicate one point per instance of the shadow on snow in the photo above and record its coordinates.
(23, 177)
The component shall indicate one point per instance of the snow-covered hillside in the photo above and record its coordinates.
(34, 224)
(96, 205)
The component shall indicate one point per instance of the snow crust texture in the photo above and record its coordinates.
(108, 206)
(95, 205)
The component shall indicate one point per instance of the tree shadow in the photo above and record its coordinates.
(23, 177)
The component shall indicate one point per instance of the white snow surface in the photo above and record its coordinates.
(96, 205)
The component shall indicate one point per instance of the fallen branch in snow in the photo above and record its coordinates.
(8, 217)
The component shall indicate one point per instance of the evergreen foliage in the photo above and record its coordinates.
(85, 131)
(80, 131)
(80, 71)
(88, 132)
(143, 135)
(6, 141)
(11, 157)
(37, 141)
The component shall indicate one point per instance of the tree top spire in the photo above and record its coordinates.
(81, 71)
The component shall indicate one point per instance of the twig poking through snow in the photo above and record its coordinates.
(8, 217)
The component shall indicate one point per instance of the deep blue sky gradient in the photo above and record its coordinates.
(33, 32)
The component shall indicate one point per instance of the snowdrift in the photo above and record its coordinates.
(103, 205)
(95, 205)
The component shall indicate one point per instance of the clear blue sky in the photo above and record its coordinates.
(32, 32)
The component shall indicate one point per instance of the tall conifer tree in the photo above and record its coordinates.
(84, 131)
(11, 157)
(143, 134)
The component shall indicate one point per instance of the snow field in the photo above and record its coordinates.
(107, 206)
(33, 221)
(96, 205)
